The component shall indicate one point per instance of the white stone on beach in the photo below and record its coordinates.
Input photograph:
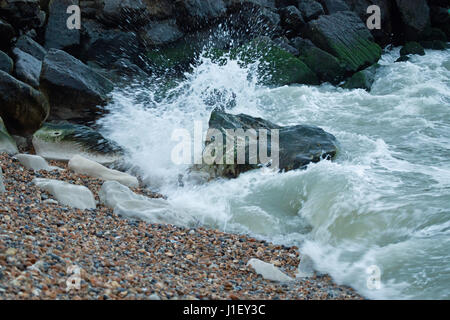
(2, 186)
(33, 162)
(68, 194)
(129, 204)
(268, 271)
(84, 166)
(305, 268)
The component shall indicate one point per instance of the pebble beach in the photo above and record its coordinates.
(118, 258)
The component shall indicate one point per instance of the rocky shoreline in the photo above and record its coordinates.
(127, 258)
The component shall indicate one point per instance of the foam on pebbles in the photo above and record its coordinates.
(81, 165)
(33, 162)
(67, 194)
(268, 271)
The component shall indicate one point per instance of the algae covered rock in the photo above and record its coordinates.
(412, 48)
(363, 79)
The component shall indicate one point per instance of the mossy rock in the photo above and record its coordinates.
(434, 44)
(363, 79)
(412, 48)
(276, 66)
(327, 67)
(175, 56)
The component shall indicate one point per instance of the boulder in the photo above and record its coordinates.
(324, 65)
(192, 15)
(7, 33)
(415, 15)
(276, 66)
(6, 63)
(129, 14)
(105, 46)
(161, 33)
(333, 6)
(75, 90)
(412, 48)
(27, 68)
(57, 35)
(28, 45)
(363, 79)
(268, 271)
(440, 18)
(33, 162)
(7, 143)
(159, 9)
(299, 145)
(291, 18)
(23, 108)
(2, 185)
(81, 165)
(63, 141)
(22, 14)
(310, 9)
(346, 37)
(67, 194)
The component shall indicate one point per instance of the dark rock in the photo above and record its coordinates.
(57, 35)
(346, 37)
(310, 9)
(22, 14)
(160, 9)
(412, 48)
(299, 145)
(440, 18)
(6, 34)
(389, 17)
(126, 13)
(6, 63)
(27, 68)
(333, 6)
(105, 46)
(28, 45)
(161, 32)
(276, 66)
(324, 65)
(291, 18)
(402, 59)
(22, 108)
(363, 79)
(284, 44)
(195, 14)
(75, 90)
(415, 15)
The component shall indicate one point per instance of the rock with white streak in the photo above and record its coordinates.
(33, 162)
(67, 194)
(268, 271)
(81, 165)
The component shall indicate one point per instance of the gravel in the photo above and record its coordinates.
(43, 244)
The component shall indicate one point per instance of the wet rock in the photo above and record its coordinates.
(84, 166)
(277, 66)
(161, 32)
(412, 48)
(28, 45)
(310, 9)
(333, 6)
(298, 145)
(7, 143)
(67, 194)
(440, 18)
(363, 79)
(6, 63)
(33, 162)
(125, 13)
(27, 68)
(75, 90)
(194, 14)
(63, 141)
(415, 16)
(57, 35)
(22, 108)
(291, 18)
(346, 37)
(22, 14)
(268, 271)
